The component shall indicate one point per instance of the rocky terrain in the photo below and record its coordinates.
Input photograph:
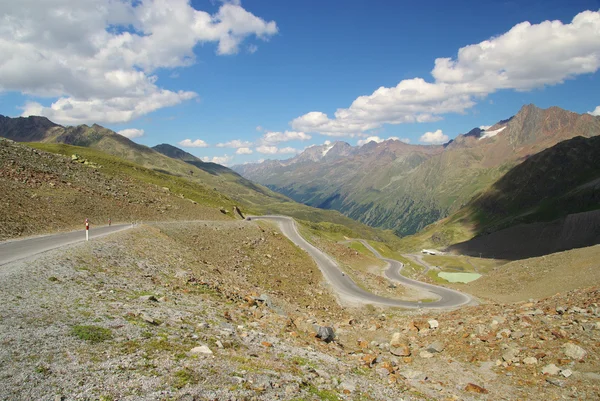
(232, 310)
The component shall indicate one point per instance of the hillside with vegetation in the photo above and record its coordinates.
(546, 204)
(176, 167)
(405, 187)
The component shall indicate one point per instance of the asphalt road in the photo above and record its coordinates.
(348, 290)
(19, 249)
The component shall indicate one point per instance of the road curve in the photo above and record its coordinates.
(349, 291)
(19, 249)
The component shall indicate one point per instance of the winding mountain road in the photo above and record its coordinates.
(347, 288)
(19, 249)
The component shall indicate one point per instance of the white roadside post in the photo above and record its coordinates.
(87, 230)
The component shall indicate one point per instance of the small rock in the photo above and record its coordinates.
(574, 351)
(433, 324)
(511, 355)
(437, 346)
(266, 299)
(566, 372)
(560, 310)
(203, 349)
(425, 354)
(219, 344)
(147, 318)
(557, 383)
(504, 333)
(530, 360)
(400, 350)
(550, 370)
(148, 298)
(382, 372)
(325, 333)
(474, 388)
(499, 319)
(515, 335)
(411, 374)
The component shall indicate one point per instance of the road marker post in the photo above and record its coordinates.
(87, 230)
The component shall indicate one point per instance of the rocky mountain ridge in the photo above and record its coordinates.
(405, 187)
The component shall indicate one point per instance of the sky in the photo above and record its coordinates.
(236, 82)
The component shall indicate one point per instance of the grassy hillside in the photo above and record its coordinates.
(45, 192)
(403, 187)
(175, 167)
(525, 212)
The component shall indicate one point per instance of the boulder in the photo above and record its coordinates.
(325, 333)
(550, 370)
(400, 350)
(574, 351)
(435, 347)
(201, 350)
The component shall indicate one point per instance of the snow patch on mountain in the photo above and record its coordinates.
(489, 134)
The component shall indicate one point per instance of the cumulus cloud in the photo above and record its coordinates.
(437, 137)
(243, 151)
(236, 143)
(131, 133)
(276, 137)
(362, 142)
(223, 160)
(377, 139)
(527, 56)
(198, 143)
(95, 59)
(273, 150)
(596, 111)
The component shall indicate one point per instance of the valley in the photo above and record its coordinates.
(195, 301)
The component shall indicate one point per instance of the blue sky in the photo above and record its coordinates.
(258, 68)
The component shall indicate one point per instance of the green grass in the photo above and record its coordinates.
(325, 395)
(119, 168)
(93, 334)
(183, 377)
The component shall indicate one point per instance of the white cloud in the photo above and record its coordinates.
(287, 150)
(276, 137)
(369, 139)
(273, 150)
(596, 111)
(198, 143)
(437, 137)
(259, 128)
(243, 151)
(526, 57)
(484, 127)
(377, 139)
(131, 133)
(252, 48)
(222, 160)
(95, 59)
(236, 143)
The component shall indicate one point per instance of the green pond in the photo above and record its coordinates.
(459, 277)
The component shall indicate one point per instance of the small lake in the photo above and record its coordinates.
(459, 277)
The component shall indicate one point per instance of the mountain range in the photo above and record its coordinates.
(169, 160)
(403, 187)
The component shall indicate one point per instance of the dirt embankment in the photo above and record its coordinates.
(530, 240)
